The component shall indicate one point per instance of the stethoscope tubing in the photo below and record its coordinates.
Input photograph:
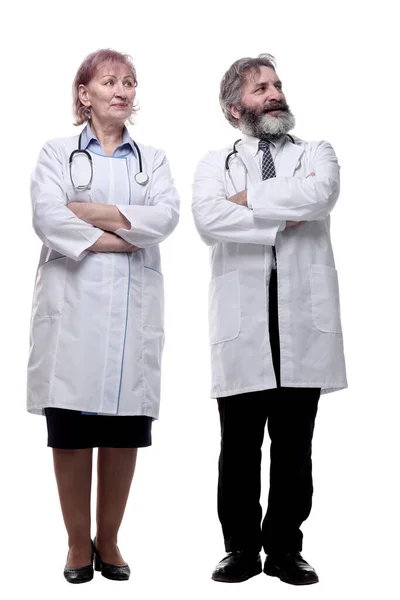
(141, 178)
(234, 151)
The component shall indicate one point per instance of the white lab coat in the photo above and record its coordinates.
(97, 326)
(241, 241)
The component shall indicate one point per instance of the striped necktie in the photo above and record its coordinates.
(268, 167)
(267, 171)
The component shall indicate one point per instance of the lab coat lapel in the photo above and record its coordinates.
(253, 172)
(289, 159)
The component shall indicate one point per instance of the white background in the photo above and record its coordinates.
(339, 65)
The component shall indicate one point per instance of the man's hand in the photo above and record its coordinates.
(240, 198)
(293, 223)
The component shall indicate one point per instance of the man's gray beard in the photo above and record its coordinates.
(266, 125)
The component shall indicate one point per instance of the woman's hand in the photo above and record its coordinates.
(109, 242)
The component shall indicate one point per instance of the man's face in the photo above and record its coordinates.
(263, 111)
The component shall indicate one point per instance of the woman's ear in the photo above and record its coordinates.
(84, 95)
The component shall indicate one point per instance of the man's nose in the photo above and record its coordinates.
(275, 95)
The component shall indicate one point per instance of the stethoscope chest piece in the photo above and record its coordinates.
(141, 178)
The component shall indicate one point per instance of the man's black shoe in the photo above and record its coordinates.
(237, 566)
(290, 568)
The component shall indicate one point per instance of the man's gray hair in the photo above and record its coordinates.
(233, 80)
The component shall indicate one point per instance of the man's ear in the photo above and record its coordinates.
(235, 112)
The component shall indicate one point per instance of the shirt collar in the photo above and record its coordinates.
(252, 143)
(88, 136)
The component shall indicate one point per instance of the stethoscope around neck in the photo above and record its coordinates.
(141, 177)
(235, 151)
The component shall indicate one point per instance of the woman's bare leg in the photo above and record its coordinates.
(115, 469)
(73, 469)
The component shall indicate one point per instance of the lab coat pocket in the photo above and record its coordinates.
(153, 298)
(48, 296)
(224, 308)
(44, 334)
(325, 298)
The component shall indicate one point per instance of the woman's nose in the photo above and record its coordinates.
(120, 90)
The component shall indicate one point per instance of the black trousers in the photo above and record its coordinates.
(290, 416)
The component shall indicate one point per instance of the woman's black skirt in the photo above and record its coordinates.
(72, 430)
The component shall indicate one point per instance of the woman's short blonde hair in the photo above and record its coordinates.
(86, 73)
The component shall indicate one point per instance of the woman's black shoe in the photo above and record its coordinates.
(115, 572)
(80, 574)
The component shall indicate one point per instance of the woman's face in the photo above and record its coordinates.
(109, 94)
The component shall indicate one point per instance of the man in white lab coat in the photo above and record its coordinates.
(263, 207)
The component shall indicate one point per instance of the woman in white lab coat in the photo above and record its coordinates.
(97, 329)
